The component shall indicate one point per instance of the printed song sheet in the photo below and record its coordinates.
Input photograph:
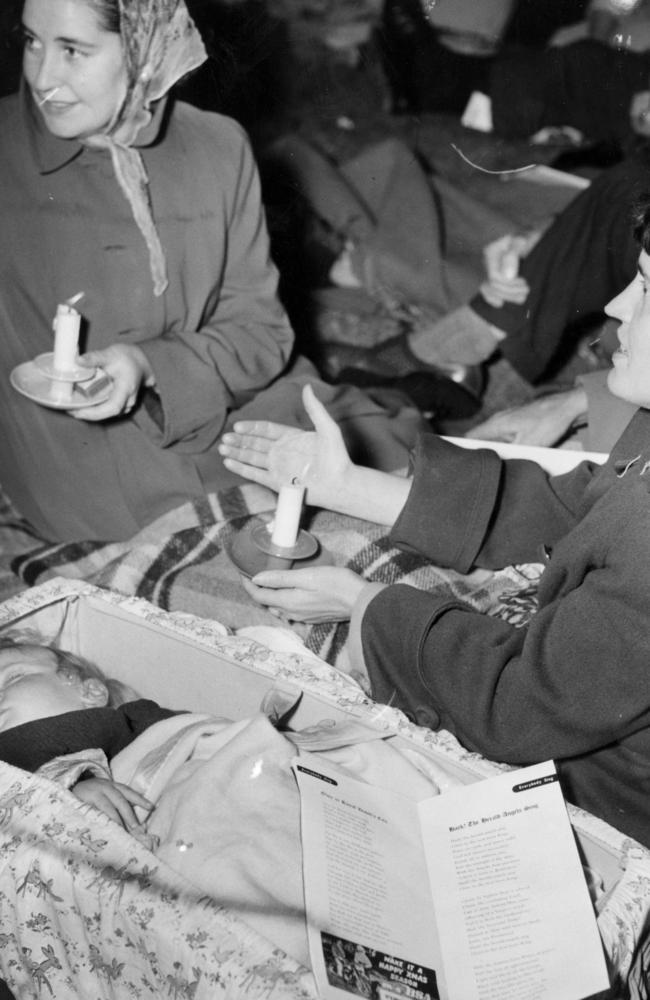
(477, 894)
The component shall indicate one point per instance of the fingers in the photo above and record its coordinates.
(494, 432)
(114, 799)
(92, 359)
(317, 413)
(279, 592)
(128, 368)
(120, 800)
(497, 293)
(245, 448)
(251, 472)
(277, 578)
(120, 403)
(279, 603)
(252, 430)
(135, 798)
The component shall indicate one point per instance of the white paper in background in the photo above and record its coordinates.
(477, 894)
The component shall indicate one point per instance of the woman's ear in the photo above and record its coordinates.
(94, 693)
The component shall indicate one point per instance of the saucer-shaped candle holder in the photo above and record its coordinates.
(274, 541)
(57, 379)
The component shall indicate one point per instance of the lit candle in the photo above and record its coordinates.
(286, 523)
(66, 338)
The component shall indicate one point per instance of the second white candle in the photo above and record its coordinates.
(286, 523)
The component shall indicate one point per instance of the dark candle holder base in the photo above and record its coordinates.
(252, 550)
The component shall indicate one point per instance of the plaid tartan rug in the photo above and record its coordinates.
(180, 562)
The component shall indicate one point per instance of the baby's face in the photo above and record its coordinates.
(31, 689)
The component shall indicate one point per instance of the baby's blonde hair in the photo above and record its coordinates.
(69, 666)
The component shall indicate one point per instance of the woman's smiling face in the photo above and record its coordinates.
(75, 69)
(629, 377)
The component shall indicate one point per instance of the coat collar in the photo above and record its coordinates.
(52, 153)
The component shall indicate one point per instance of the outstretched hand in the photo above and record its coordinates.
(501, 259)
(274, 454)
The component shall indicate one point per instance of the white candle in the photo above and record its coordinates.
(286, 523)
(66, 338)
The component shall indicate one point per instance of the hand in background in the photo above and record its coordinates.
(274, 455)
(319, 594)
(543, 422)
(128, 368)
(640, 113)
(501, 259)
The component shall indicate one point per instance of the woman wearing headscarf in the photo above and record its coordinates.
(147, 214)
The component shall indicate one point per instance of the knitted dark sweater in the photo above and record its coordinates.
(109, 729)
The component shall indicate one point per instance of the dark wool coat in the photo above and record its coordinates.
(574, 684)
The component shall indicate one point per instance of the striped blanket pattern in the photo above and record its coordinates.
(180, 562)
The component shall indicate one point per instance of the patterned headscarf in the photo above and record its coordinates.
(161, 44)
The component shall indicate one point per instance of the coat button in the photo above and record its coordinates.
(427, 716)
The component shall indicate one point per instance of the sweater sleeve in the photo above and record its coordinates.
(572, 681)
(470, 508)
(245, 339)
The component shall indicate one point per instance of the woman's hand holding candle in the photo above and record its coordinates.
(314, 595)
(128, 368)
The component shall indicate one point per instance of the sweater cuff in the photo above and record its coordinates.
(394, 629)
(190, 428)
(356, 659)
(451, 502)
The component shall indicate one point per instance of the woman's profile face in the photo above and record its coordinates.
(629, 377)
(74, 68)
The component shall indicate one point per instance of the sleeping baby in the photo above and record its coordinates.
(214, 799)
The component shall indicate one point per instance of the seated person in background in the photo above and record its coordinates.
(619, 23)
(585, 79)
(587, 416)
(148, 213)
(539, 288)
(572, 683)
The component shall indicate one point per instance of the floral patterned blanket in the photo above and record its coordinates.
(88, 912)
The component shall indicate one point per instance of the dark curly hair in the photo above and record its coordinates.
(641, 221)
